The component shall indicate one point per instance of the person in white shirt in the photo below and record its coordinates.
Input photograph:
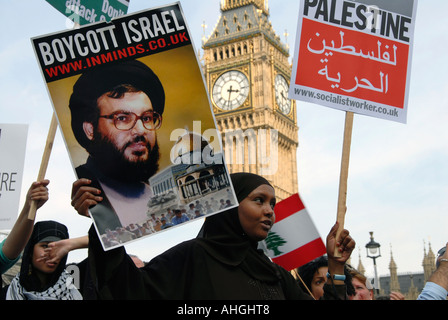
(437, 286)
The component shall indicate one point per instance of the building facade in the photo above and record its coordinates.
(410, 284)
(247, 73)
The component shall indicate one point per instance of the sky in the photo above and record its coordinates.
(397, 184)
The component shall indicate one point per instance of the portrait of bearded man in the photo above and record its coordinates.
(116, 111)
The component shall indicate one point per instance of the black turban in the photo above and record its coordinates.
(244, 183)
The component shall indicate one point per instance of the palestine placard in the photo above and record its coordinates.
(355, 56)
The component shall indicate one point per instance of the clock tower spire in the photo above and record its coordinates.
(232, 4)
(247, 72)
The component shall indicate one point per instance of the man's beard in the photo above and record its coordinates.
(113, 163)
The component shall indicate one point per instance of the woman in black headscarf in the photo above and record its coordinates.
(39, 279)
(223, 262)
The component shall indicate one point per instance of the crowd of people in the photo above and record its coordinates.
(116, 111)
(312, 276)
(223, 255)
(121, 235)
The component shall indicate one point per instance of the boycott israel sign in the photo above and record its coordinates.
(88, 11)
(136, 118)
(355, 55)
(12, 159)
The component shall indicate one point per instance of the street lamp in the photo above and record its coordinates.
(373, 251)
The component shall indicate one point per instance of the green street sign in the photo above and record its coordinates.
(88, 11)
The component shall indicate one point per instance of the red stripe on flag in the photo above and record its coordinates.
(287, 207)
(302, 255)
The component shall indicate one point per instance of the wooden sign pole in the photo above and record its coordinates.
(44, 162)
(342, 199)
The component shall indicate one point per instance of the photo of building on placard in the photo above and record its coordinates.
(136, 119)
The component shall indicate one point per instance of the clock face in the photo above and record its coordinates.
(281, 94)
(230, 90)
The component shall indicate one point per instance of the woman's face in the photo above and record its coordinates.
(256, 212)
(362, 293)
(318, 282)
(43, 266)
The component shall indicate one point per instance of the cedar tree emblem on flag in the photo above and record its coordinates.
(293, 240)
(273, 242)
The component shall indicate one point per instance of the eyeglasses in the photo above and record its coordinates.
(124, 120)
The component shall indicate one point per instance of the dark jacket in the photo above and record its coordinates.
(222, 263)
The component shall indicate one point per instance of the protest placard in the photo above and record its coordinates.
(136, 118)
(355, 56)
(13, 139)
(83, 12)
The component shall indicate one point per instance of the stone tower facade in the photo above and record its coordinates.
(247, 72)
(394, 285)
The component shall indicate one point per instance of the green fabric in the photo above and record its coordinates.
(5, 262)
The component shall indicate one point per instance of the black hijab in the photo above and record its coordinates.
(43, 230)
(224, 239)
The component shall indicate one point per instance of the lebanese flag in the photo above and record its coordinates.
(293, 240)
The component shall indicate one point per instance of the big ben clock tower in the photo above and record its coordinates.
(247, 73)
